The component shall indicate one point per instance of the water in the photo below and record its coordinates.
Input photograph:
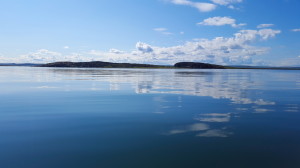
(119, 118)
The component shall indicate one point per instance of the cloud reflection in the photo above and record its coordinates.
(262, 110)
(214, 117)
(292, 108)
(46, 87)
(231, 85)
(241, 88)
(217, 84)
(190, 128)
(215, 133)
(202, 130)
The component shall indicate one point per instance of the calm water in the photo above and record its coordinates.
(138, 118)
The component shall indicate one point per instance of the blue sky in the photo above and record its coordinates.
(250, 32)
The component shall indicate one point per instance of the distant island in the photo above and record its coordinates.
(198, 65)
(100, 64)
(179, 65)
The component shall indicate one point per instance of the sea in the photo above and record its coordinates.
(149, 118)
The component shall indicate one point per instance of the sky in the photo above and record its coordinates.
(227, 32)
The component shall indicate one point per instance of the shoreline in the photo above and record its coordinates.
(180, 65)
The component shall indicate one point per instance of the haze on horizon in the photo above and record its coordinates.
(228, 32)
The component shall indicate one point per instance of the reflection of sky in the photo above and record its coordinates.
(190, 128)
(233, 85)
(203, 128)
(214, 117)
(244, 89)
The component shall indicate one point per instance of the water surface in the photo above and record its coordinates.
(149, 118)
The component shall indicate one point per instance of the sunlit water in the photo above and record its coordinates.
(139, 118)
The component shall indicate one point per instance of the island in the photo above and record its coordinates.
(179, 65)
(198, 65)
(100, 64)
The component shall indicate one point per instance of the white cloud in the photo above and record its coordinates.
(163, 31)
(248, 36)
(220, 50)
(46, 56)
(296, 30)
(181, 2)
(231, 7)
(42, 55)
(264, 26)
(115, 51)
(181, 33)
(201, 6)
(268, 33)
(226, 2)
(237, 49)
(220, 21)
(204, 7)
(66, 47)
(143, 47)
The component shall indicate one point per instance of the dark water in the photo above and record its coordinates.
(136, 118)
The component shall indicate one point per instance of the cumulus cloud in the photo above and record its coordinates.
(143, 47)
(264, 26)
(247, 36)
(220, 21)
(237, 49)
(268, 33)
(220, 50)
(201, 6)
(296, 30)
